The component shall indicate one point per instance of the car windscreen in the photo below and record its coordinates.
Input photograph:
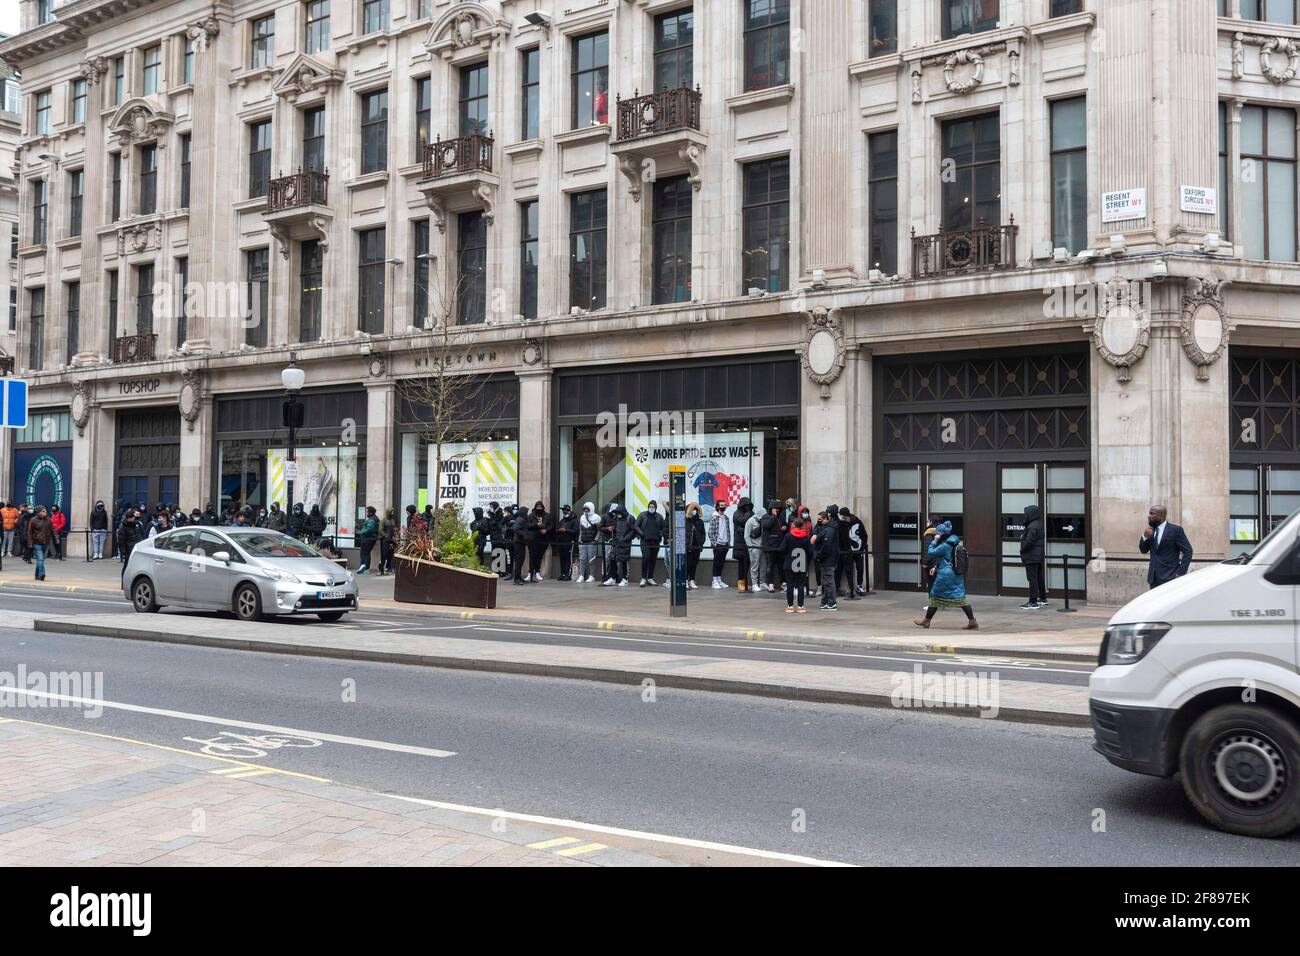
(269, 545)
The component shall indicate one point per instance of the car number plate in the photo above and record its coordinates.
(328, 595)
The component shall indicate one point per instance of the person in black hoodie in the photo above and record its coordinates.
(520, 538)
(492, 527)
(853, 553)
(98, 531)
(132, 532)
(774, 529)
(297, 521)
(650, 529)
(566, 532)
(695, 535)
(210, 516)
(479, 529)
(541, 532)
(620, 532)
(796, 551)
(314, 525)
(744, 510)
(24, 518)
(1032, 552)
(826, 549)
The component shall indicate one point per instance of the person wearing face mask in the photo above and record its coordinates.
(650, 529)
(314, 525)
(492, 527)
(720, 536)
(566, 533)
(478, 528)
(261, 518)
(588, 532)
(949, 588)
(695, 535)
(541, 533)
(1170, 551)
(774, 528)
(276, 519)
(98, 531)
(297, 518)
(620, 530)
(389, 532)
(520, 538)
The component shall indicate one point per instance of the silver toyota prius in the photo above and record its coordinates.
(250, 571)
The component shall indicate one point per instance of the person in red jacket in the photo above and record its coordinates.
(60, 522)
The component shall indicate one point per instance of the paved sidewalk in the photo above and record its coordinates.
(882, 620)
(71, 798)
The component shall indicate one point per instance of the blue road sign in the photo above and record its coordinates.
(15, 403)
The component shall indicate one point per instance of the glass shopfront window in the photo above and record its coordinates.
(253, 473)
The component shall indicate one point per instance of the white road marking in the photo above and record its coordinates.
(619, 831)
(68, 597)
(223, 722)
(782, 650)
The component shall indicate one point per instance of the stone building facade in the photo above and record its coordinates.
(925, 258)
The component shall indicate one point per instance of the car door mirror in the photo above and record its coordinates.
(222, 556)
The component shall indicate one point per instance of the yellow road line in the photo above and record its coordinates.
(235, 764)
(245, 774)
(585, 848)
(558, 841)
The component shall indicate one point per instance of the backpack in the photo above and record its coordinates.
(960, 559)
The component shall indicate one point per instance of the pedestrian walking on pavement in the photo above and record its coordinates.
(720, 537)
(40, 534)
(948, 572)
(1032, 556)
(797, 556)
(367, 535)
(389, 531)
(9, 514)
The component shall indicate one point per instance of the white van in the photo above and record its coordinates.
(1199, 677)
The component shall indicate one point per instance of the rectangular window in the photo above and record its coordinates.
(115, 198)
(587, 260)
(474, 100)
(36, 346)
(13, 308)
(671, 240)
(530, 93)
(969, 16)
(310, 280)
(765, 226)
(78, 101)
(259, 158)
(148, 179)
(370, 279)
(424, 9)
(1061, 8)
(590, 80)
(42, 116)
(185, 171)
(72, 295)
(119, 80)
(113, 294)
(1271, 11)
(675, 50)
(262, 41)
(257, 274)
(374, 16)
(1224, 217)
(11, 97)
(182, 300)
(767, 44)
(374, 131)
(187, 63)
(44, 11)
(972, 194)
(882, 200)
(471, 268)
(40, 211)
(423, 116)
(883, 18)
(1070, 175)
(76, 191)
(317, 36)
(152, 69)
(1268, 183)
(528, 249)
(143, 299)
(420, 256)
(313, 139)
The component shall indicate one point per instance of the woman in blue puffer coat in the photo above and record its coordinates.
(949, 589)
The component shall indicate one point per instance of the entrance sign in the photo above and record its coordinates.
(15, 403)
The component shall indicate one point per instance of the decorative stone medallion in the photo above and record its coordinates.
(1204, 325)
(823, 352)
(191, 397)
(1122, 331)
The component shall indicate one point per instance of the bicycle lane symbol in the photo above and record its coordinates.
(249, 746)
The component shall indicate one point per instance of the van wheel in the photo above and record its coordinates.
(330, 616)
(1241, 770)
(143, 597)
(248, 603)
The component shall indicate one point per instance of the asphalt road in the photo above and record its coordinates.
(872, 786)
(1009, 668)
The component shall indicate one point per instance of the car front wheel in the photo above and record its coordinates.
(1241, 770)
(143, 597)
(330, 616)
(248, 603)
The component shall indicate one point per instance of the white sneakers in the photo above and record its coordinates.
(608, 584)
(623, 583)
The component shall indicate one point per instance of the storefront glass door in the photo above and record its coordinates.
(1260, 498)
(942, 490)
(1060, 492)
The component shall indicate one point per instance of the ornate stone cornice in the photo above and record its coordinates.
(465, 26)
(305, 74)
(139, 121)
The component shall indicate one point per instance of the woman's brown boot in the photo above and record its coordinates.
(972, 625)
(921, 622)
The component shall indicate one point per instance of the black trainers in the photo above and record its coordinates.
(1029, 605)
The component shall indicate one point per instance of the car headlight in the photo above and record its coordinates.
(1129, 643)
(282, 576)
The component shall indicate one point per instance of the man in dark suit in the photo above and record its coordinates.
(1170, 551)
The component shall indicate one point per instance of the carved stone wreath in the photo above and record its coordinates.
(191, 397)
(1204, 325)
(823, 352)
(82, 400)
(1267, 47)
(1122, 330)
(377, 366)
(950, 71)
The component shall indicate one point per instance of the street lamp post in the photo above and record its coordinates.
(293, 378)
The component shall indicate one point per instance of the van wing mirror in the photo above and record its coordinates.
(1286, 570)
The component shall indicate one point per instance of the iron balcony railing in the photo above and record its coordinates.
(959, 251)
(465, 154)
(306, 187)
(135, 348)
(646, 115)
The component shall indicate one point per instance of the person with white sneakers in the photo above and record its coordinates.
(720, 535)
(650, 529)
(695, 533)
(588, 529)
(621, 531)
